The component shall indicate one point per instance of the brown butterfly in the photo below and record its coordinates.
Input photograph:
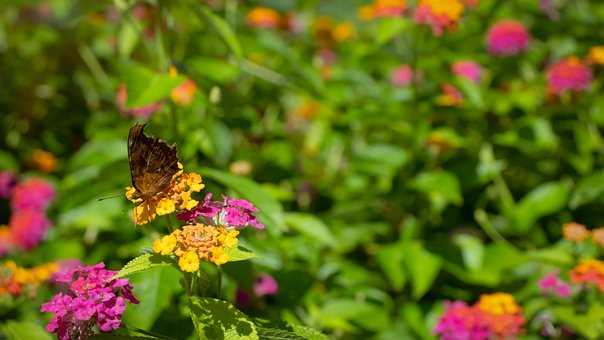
(152, 162)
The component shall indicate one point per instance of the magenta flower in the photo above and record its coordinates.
(28, 227)
(569, 74)
(552, 284)
(401, 76)
(461, 321)
(467, 69)
(230, 212)
(92, 296)
(265, 285)
(32, 193)
(7, 182)
(507, 37)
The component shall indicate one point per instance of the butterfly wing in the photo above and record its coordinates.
(152, 162)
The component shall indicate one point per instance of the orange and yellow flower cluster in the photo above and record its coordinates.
(176, 197)
(589, 271)
(440, 15)
(15, 280)
(382, 9)
(198, 242)
(576, 232)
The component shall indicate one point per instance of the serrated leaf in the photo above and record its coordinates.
(144, 263)
(218, 319)
(240, 254)
(308, 333)
(277, 334)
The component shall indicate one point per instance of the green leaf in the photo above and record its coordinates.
(442, 188)
(240, 254)
(215, 69)
(218, 319)
(423, 268)
(277, 334)
(154, 290)
(588, 190)
(388, 28)
(144, 263)
(225, 31)
(308, 333)
(390, 259)
(146, 86)
(336, 313)
(271, 212)
(589, 324)
(546, 199)
(310, 226)
(14, 330)
(93, 214)
(472, 250)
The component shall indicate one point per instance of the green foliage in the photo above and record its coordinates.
(218, 319)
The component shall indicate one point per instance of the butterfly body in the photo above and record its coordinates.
(153, 163)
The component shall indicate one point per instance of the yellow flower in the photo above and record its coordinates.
(178, 196)
(498, 304)
(596, 55)
(219, 256)
(165, 245)
(343, 32)
(452, 9)
(189, 262)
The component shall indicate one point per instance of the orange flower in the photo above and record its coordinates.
(589, 271)
(498, 304)
(596, 55)
(575, 232)
(502, 313)
(184, 93)
(44, 160)
(263, 17)
(450, 96)
(343, 32)
(598, 236)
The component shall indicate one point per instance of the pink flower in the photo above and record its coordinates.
(569, 74)
(7, 182)
(234, 213)
(28, 227)
(467, 69)
(265, 285)
(552, 284)
(507, 37)
(91, 296)
(461, 321)
(401, 76)
(33, 193)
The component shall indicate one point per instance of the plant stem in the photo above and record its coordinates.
(219, 290)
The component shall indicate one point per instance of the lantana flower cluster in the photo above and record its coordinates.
(568, 75)
(92, 299)
(210, 234)
(176, 198)
(383, 9)
(589, 271)
(28, 222)
(494, 316)
(16, 280)
(440, 15)
(507, 38)
(577, 233)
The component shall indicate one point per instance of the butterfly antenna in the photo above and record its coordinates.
(108, 197)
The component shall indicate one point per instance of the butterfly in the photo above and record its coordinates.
(152, 162)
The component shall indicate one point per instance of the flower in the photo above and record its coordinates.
(552, 284)
(92, 296)
(401, 76)
(32, 193)
(382, 9)
(7, 182)
(467, 69)
(503, 314)
(598, 236)
(176, 197)
(575, 232)
(265, 285)
(144, 111)
(6, 240)
(439, 14)
(232, 213)
(589, 271)
(461, 321)
(507, 37)
(165, 245)
(263, 17)
(198, 242)
(569, 74)
(184, 93)
(28, 227)
(498, 304)
(241, 167)
(44, 160)
(344, 31)
(16, 280)
(596, 55)
(450, 96)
